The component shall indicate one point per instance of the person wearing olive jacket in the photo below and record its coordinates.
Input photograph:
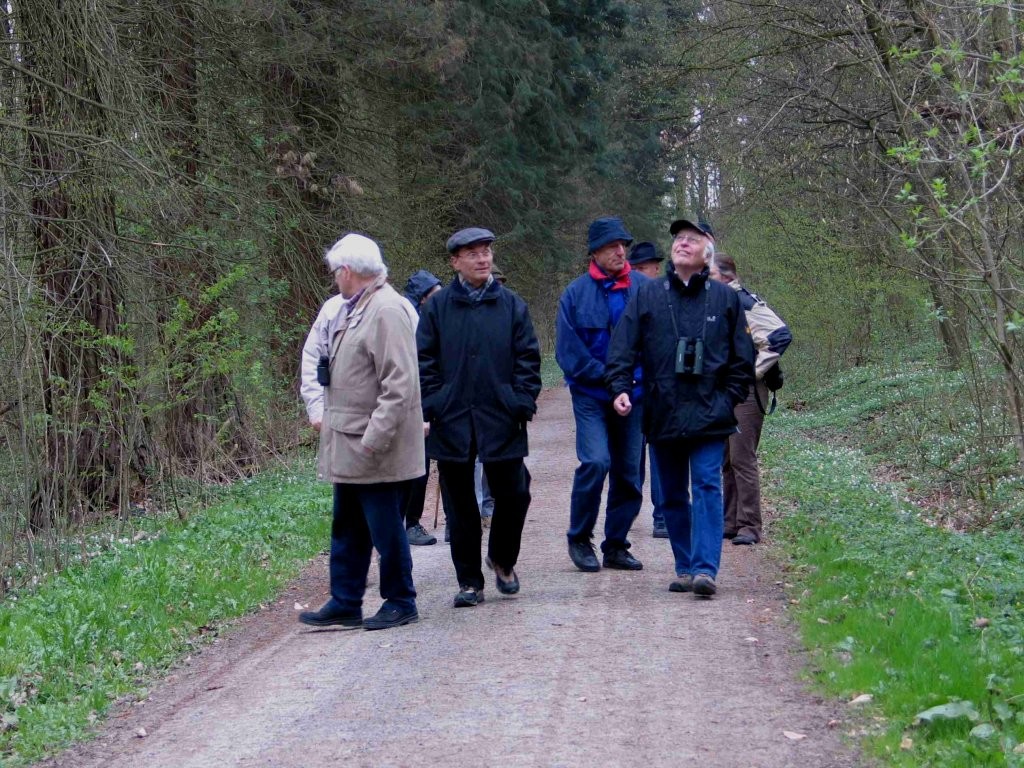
(480, 377)
(690, 335)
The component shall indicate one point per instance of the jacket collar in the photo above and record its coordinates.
(697, 282)
(460, 294)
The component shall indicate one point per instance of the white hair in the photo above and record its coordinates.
(357, 252)
(709, 252)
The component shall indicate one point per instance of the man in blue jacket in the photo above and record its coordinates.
(691, 335)
(480, 378)
(606, 445)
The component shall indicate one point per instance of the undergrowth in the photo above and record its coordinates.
(924, 619)
(99, 631)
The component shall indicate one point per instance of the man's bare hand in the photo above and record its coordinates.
(316, 424)
(622, 404)
(426, 429)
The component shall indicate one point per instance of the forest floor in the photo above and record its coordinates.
(577, 669)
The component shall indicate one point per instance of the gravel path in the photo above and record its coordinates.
(579, 669)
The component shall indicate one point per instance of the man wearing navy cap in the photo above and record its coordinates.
(480, 378)
(691, 333)
(606, 445)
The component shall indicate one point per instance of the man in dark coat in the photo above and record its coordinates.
(607, 445)
(480, 378)
(690, 335)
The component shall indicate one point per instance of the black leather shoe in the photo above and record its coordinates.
(744, 539)
(509, 587)
(468, 597)
(660, 531)
(583, 556)
(330, 615)
(388, 617)
(621, 560)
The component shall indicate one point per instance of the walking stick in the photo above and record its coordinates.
(437, 499)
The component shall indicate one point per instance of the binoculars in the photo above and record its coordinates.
(690, 356)
(323, 371)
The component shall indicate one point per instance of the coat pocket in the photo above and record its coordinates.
(348, 457)
(348, 422)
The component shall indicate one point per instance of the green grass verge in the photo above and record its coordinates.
(97, 632)
(917, 616)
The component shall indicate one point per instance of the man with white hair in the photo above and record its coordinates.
(371, 439)
(698, 359)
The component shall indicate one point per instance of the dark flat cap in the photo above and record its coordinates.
(699, 225)
(469, 236)
(643, 253)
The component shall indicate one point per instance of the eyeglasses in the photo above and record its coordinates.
(691, 239)
(477, 252)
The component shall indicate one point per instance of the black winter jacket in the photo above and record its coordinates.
(479, 373)
(680, 406)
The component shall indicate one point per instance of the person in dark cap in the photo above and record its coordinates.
(420, 287)
(691, 334)
(606, 445)
(645, 259)
(480, 377)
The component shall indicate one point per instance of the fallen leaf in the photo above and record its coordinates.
(794, 736)
(751, 639)
(907, 743)
(864, 698)
(834, 723)
(141, 733)
(822, 620)
(583, 698)
(301, 607)
(954, 710)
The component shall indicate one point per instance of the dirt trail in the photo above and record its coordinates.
(606, 669)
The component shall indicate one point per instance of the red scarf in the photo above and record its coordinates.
(621, 280)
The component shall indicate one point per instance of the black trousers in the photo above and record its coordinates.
(417, 497)
(509, 482)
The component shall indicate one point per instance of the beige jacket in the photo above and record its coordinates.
(373, 401)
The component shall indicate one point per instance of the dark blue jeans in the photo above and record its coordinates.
(694, 528)
(657, 495)
(368, 516)
(607, 445)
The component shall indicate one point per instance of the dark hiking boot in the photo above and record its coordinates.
(744, 539)
(660, 530)
(389, 616)
(331, 615)
(468, 597)
(704, 585)
(506, 586)
(620, 559)
(682, 583)
(583, 556)
(419, 537)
